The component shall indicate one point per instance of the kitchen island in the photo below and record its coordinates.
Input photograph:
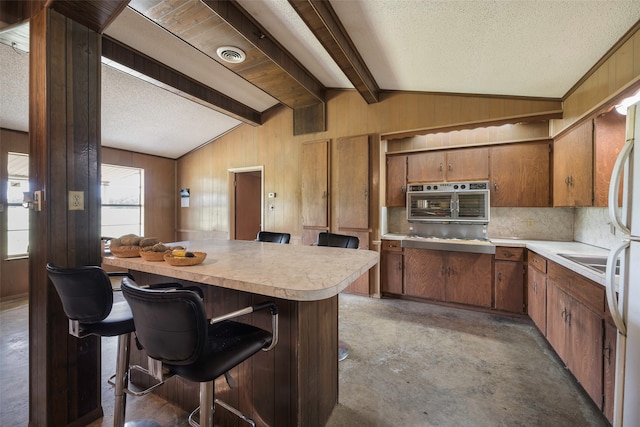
(297, 382)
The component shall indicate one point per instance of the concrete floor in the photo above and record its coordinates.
(411, 364)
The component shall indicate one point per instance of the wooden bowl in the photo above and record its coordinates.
(152, 255)
(125, 251)
(185, 261)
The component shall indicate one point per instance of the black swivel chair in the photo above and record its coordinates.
(339, 241)
(94, 308)
(172, 327)
(270, 236)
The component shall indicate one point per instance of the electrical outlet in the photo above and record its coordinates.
(529, 223)
(76, 200)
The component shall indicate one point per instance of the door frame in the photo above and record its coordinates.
(232, 196)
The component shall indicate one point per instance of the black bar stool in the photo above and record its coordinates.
(172, 327)
(270, 236)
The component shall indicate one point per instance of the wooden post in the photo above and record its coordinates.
(64, 144)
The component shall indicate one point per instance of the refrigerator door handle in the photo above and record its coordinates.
(614, 184)
(612, 300)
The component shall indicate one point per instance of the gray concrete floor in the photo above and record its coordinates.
(411, 364)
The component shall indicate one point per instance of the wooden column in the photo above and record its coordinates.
(64, 143)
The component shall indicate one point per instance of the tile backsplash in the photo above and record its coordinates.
(587, 225)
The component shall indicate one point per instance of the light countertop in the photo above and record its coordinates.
(550, 250)
(292, 272)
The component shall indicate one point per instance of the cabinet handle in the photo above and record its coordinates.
(500, 277)
(403, 188)
(507, 254)
(324, 194)
(564, 314)
(606, 352)
(450, 167)
(535, 287)
(449, 271)
(442, 271)
(441, 167)
(495, 186)
(366, 194)
(569, 318)
(391, 245)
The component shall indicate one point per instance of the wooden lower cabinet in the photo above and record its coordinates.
(508, 282)
(391, 267)
(575, 332)
(458, 277)
(537, 297)
(609, 368)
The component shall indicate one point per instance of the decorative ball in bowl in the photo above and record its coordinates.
(189, 258)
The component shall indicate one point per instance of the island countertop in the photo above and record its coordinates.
(292, 272)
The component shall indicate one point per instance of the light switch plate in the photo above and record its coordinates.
(76, 200)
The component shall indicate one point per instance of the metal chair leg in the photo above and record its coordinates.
(121, 380)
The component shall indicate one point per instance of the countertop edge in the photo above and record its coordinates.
(550, 250)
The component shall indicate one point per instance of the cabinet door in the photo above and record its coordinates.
(573, 167)
(509, 286)
(424, 273)
(468, 278)
(585, 337)
(537, 298)
(396, 181)
(608, 138)
(353, 182)
(426, 167)
(609, 368)
(557, 331)
(520, 175)
(391, 272)
(469, 164)
(315, 184)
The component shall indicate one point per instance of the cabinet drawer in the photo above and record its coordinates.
(505, 253)
(538, 262)
(391, 245)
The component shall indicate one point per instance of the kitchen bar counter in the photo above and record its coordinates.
(296, 383)
(292, 272)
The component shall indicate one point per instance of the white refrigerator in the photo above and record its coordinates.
(625, 307)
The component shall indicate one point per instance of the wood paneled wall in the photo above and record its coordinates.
(160, 193)
(611, 78)
(274, 146)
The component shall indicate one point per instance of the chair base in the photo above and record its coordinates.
(142, 423)
(207, 408)
(343, 350)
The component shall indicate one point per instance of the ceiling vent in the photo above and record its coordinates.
(231, 54)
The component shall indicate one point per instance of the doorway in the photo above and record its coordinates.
(245, 203)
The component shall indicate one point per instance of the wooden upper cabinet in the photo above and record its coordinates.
(396, 181)
(467, 164)
(426, 167)
(315, 184)
(609, 137)
(520, 175)
(353, 182)
(573, 167)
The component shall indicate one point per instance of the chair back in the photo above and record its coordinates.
(338, 240)
(85, 292)
(269, 236)
(171, 325)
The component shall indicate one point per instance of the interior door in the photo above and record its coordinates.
(248, 205)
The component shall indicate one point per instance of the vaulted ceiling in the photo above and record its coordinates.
(167, 91)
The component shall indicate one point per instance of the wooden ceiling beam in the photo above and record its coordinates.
(95, 14)
(236, 17)
(326, 26)
(176, 82)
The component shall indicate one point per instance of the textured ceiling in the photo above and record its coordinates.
(521, 48)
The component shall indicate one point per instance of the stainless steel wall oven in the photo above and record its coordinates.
(449, 202)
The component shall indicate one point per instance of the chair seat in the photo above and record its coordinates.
(228, 344)
(118, 322)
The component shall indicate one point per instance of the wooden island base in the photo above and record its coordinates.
(295, 384)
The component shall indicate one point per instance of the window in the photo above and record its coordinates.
(122, 201)
(17, 216)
